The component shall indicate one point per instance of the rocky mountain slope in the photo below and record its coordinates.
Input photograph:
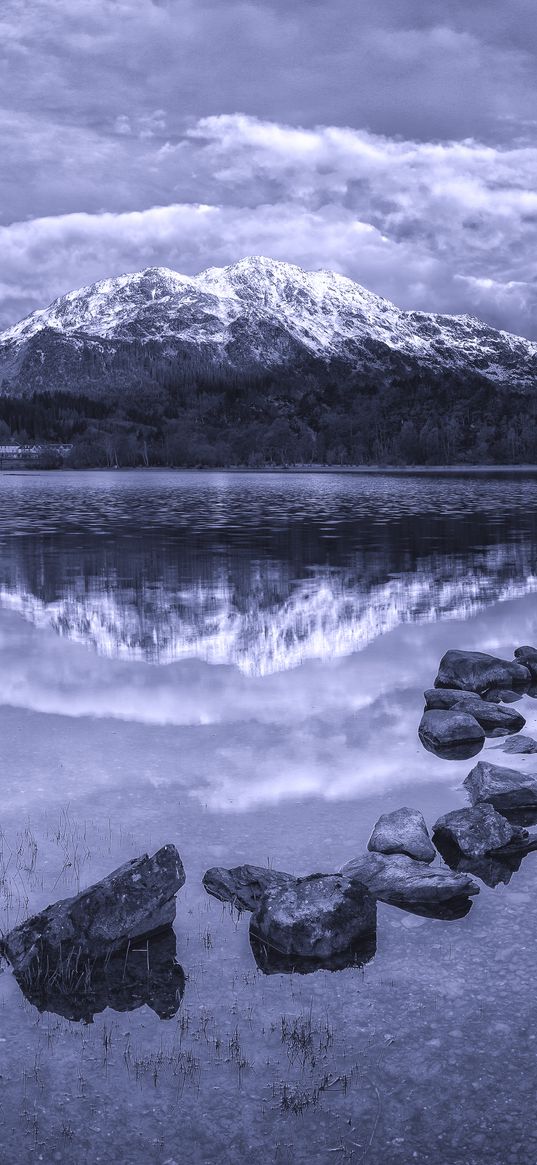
(259, 315)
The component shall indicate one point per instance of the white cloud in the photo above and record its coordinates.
(438, 226)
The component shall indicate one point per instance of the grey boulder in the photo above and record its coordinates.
(402, 832)
(452, 733)
(527, 656)
(317, 919)
(476, 671)
(505, 789)
(445, 698)
(136, 899)
(244, 886)
(477, 831)
(494, 719)
(411, 885)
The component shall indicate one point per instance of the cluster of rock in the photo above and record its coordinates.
(329, 921)
(467, 703)
(113, 945)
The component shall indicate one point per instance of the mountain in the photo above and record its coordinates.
(263, 363)
(258, 313)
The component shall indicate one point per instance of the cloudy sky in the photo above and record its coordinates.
(394, 142)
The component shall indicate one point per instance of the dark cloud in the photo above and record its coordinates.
(420, 68)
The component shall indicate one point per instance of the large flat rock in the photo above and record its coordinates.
(411, 885)
(521, 745)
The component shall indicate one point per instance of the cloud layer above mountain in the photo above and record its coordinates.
(122, 146)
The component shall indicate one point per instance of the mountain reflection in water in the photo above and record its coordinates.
(256, 613)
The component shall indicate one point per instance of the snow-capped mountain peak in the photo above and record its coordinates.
(264, 312)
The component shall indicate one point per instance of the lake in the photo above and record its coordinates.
(236, 663)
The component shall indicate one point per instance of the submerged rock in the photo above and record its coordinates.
(518, 744)
(451, 734)
(412, 885)
(493, 718)
(314, 922)
(144, 972)
(136, 899)
(244, 886)
(477, 831)
(475, 671)
(402, 832)
(507, 790)
(527, 656)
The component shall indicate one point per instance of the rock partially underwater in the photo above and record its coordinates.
(477, 831)
(323, 921)
(481, 842)
(508, 790)
(244, 886)
(402, 832)
(451, 734)
(475, 671)
(136, 899)
(494, 719)
(527, 656)
(413, 886)
(78, 987)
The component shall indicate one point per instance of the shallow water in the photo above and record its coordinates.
(236, 664)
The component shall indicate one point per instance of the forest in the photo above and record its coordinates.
(317, 414)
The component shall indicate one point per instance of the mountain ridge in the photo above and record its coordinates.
(257, 313)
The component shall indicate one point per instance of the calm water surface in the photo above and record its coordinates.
(235, 663)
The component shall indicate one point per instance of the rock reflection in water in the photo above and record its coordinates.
(274, 962)
(492, 869)
(144, 972)
(448, 911)
(464, 751)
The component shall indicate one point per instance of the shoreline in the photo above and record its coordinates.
(357, 470)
